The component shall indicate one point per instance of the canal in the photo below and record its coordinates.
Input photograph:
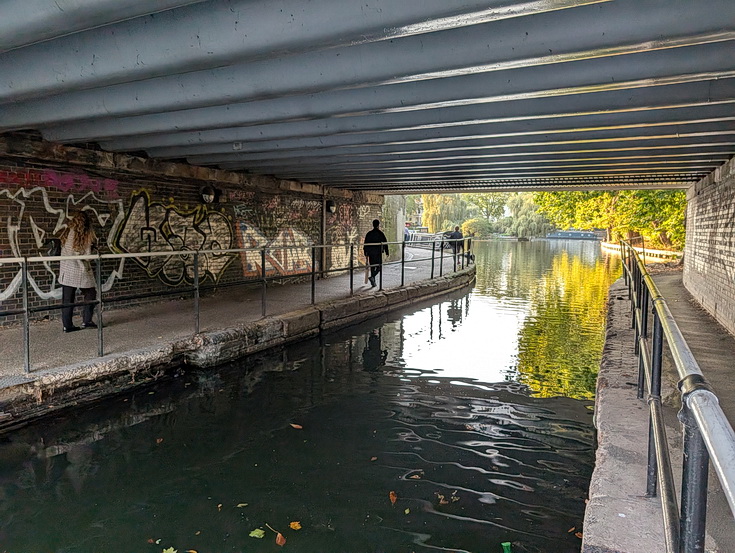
(455, 426)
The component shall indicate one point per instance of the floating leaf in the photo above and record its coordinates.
(219, 506)
(393, 497)
(295, 525)
(170, 550)
(415, 476)
(159, 440)
(280, 540)
(579, 535)
(191, 551)
(257, 533)
(407, 511)
(151, 540)
(373, 458)
(296, 426)
(241, 505)
(197, 532)
(572, 529)
(158, 541)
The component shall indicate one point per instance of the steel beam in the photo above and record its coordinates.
(225, 32)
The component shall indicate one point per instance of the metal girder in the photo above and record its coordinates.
(221, 33)
(25, 22)
(308, 134)
(383, 95)
(304, 117)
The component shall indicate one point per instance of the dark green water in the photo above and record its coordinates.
(474, 411)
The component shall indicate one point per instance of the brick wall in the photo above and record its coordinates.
(145, 206)
(709, 255)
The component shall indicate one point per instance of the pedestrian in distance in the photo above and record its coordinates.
(78, 239)
(375, 245)
(458, 242)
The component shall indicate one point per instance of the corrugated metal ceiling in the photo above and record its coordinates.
(385, 95)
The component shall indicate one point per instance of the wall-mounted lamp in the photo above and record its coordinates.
(209, 194)
(330, 206)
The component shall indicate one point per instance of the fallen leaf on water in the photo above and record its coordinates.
(151, 540)
(191, 551)
(296, 426)
(415, 476)
(393, 497)
(170, 550)
(407, 511)
(257, 533)
(241, 505)
(373, 458)
(280, 540)
(197, 532)
(295, 525)
(572, 529)
(579, 535)
(159, 440)
(158, 541)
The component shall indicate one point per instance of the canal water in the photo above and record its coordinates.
(453, 426)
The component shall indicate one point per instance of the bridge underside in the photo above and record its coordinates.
(385, 96)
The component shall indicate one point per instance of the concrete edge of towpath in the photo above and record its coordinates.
(619, 518)
(26, 397)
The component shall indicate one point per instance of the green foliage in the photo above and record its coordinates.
(657, 215)
(490, 205)
(480, 228)
(444, 211)
(525, 220)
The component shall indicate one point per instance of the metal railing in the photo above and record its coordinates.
(707, 434)
(103, 299)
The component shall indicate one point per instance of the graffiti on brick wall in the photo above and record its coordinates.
(289, 253)
(285, 227)
(32, 218)
(66, 182)
(156, 227)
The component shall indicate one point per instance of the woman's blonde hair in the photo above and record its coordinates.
(81, 224)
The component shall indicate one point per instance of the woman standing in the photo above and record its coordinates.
(78, 239)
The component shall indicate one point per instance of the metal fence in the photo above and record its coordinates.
(707, 434)
(316, 271)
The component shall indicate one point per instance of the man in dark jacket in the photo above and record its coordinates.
(375, 245)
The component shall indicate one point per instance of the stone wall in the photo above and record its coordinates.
(709, 255)
(141, 205)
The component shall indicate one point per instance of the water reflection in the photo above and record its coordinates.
(442, 405)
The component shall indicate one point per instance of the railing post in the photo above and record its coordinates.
(264, 284)
(196, 293)
(694, 478)
(656, 356)
(403, 263)
(313, 275)
(352, 269)
(26, 318)
(380, 274)
(100, 325)
(433, 256)
(441, 258)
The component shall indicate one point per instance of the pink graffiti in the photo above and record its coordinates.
(68, 182)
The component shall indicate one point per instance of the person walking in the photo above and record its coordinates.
(457, 245)
(375, 245)
(78, 239)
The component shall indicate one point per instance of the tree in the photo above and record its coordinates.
(444, 211)
(491, 206)
(657, 215)
(525, 220)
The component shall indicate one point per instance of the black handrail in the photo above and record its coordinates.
(263, 279)
(708, 436)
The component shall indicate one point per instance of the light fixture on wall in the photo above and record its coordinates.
(330, 206)
(209, 194)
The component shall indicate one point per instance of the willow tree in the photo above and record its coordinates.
(444, 211)
(491, 205)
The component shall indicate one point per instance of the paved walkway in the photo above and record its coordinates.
(133, 328)
(619, 518)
